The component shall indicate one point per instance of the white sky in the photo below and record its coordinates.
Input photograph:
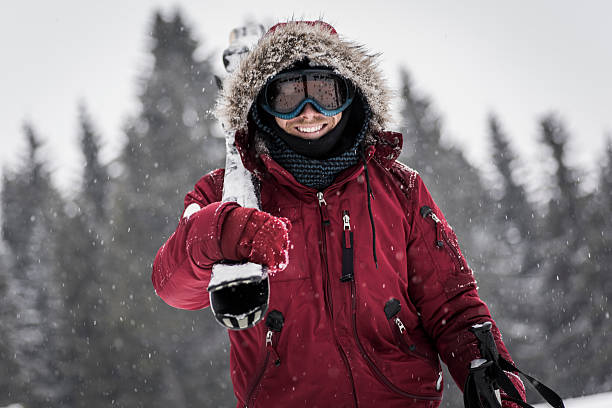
(520, 59)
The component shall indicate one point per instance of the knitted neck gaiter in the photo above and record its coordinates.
(309, 171)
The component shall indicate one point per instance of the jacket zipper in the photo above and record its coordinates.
(274, 322)
(325, 222)
(258, 380)
(347, 249)
(427, 212)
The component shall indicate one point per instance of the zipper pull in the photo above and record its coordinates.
(323, 208)
(400, 325)
(428, 212)
(271, 348)
(321, 199)
(346, 220)
(347, 249)
(275, 321)
(392, 308)
(348, 241)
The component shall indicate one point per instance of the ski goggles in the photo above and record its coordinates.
(285, 95)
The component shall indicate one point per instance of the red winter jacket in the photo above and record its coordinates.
(373, 340)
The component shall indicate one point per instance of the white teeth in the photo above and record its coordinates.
(310, 129)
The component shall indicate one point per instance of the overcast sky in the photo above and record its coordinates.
(520, 59)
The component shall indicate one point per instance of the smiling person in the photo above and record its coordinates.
(309, 124)
(375, 291)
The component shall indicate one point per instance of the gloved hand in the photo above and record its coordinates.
(509, 404)
(226, 231)
(519, 386)
(256, 236)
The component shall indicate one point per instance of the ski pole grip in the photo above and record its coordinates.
(486, 342)
(487, 389)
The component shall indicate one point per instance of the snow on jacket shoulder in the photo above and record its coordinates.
(372, 339)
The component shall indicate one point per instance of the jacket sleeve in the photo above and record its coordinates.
(444, 289)
(180, 276)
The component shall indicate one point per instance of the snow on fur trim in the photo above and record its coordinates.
(292, 42)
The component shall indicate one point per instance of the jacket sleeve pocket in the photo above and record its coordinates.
(445, 247)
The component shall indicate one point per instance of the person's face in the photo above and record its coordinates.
(309, 124)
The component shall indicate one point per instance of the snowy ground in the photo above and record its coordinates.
(591, 401)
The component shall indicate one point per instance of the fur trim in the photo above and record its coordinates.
(291, 43)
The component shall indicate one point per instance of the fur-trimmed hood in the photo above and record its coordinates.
(288, 43)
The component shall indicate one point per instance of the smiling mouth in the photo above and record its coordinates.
(310, 129)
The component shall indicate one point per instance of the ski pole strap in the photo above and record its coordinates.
(488, 375)
(547, 393)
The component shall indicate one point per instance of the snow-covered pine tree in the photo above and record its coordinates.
(600, 238)
(605, 175)
(512, 203)
(516, 221)
(9, 388)
(95, 179)
(518, 253)
(171, 357)
(31, 209)
(84, 276)
(593, 317)
(565, 265)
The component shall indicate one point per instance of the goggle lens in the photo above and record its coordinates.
(286, 93)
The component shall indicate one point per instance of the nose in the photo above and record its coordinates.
(309, 111)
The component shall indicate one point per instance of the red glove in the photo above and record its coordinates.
(256, 236)
(520, 388)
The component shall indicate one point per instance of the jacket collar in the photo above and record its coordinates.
(385, 150)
